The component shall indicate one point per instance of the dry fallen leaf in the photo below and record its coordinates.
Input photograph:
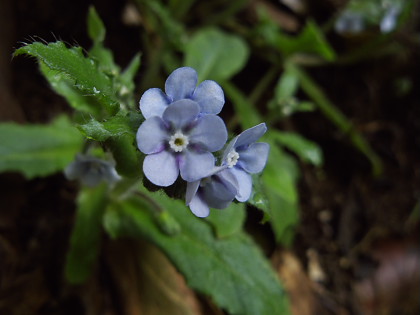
(147, 282)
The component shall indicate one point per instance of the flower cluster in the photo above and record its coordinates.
(180, 134)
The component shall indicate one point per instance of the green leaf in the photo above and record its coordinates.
(307, 150)
(259, 197)
(284, 217)
(280, 173)
(215, 54)
(284, 102)
(116, 126)
(168, 223)
(86, 236)
(63, 86)
(312, 40)
(229, 221)
(104, 58)
(112, 222)
(83, 71)
(231, 270)
(95, 130)
(96, 28)
(126, 155)
(38, 150)
(165, 220)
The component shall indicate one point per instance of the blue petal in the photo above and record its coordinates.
(153, 102)
(228, 177)
(210, 133)
(250, 135)
(192, 188)
(74, 170)
(245, 184)
(91, 179)
(181, 113)
(161, 168)
(181, 83)
(220, 191)
(196, 165)
(152, 135)
(199, 207)
(254, 158)
(209, 95)
(111, 175)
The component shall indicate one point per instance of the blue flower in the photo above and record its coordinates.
(180, 142)
(350, 22)
(390, 19)
(217, 190)
(91, 171)
(182, 84)
(243, 157)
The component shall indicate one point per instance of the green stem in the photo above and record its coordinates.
(314, 91)
(244, 109)
(229, 11)
(263, 85)
(180, 8)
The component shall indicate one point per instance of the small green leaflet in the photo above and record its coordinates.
(96, 28)
(103, 56)
(286, 86)
(38, 150)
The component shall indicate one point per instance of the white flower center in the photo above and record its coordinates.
(178, 141)
(232, 158)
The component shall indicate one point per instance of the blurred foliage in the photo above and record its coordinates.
(215, 54)
(37, 150)
(86, 237)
